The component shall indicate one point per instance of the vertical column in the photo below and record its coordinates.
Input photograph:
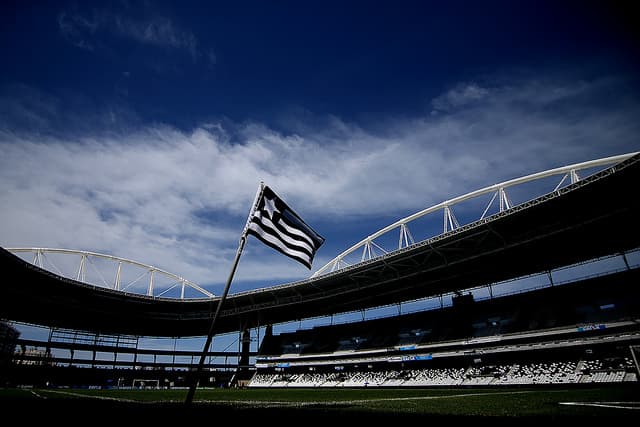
(246, 348)
(243, 374)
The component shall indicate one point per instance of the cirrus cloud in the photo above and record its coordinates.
(87, 31)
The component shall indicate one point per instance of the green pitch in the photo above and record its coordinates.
(552, 403)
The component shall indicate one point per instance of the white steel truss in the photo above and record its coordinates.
(86, 271)
(372, 249)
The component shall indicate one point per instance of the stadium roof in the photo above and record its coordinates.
(594, 217)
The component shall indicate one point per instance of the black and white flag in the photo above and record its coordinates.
(276, 225)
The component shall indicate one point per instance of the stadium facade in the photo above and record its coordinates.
(578, 332)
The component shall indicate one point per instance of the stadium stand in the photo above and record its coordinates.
(576, 333)
(548, 373)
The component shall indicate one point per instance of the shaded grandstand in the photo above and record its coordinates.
(581, 332)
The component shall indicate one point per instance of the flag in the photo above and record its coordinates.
(276, 225)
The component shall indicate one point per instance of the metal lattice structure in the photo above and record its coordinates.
(110, 272)
(372, 247)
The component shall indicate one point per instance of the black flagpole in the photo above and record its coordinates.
(243, 240)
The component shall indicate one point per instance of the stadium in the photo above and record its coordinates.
(508, 295)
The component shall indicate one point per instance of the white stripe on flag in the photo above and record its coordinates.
(279, 243)
(297, 232)
(267, 223)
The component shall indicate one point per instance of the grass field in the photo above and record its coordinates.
(328, 404)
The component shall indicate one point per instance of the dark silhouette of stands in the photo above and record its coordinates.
(587, 302)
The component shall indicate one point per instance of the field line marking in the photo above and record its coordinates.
(383, 399)
(89, 396)
(38, 395)
(613, 405)
(359, 401)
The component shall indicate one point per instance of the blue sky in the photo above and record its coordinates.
(142, 129)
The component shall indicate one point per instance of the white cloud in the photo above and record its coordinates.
(178, 200)
(157, 31)
(84, 32)
(77, 30)
(461, 95)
